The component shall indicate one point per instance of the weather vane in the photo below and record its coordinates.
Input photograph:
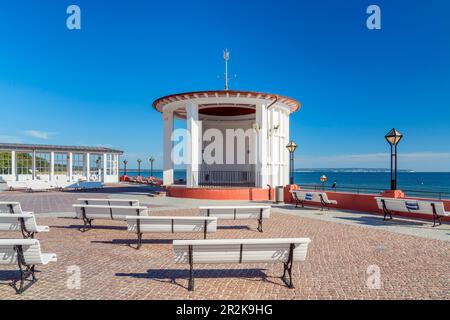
(226, 57)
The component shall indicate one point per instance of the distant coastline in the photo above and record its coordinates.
(366, 170)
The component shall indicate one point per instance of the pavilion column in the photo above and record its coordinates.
(33, 174)
(261, 164)
(193, 145)
(52, 166)
(105, 165)
(167, 148)
(70, 164)
(88, 165)
(13, 164)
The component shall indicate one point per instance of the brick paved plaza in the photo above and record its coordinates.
(412, 267)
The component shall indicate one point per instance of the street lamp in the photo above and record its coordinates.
(125, 162)
(393, 138)
(139, 167)
(292, 146)
(151, 165)
(323, 179)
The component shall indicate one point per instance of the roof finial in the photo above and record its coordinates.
(226, 57)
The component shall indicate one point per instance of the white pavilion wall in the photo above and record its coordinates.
(277, 154)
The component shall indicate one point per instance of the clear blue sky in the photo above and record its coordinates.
(95, 86)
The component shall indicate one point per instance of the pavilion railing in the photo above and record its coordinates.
(440, 194)
(212, 178)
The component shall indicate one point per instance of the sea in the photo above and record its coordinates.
(419, 184)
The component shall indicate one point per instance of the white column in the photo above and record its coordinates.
(33, 174)
(88, 165)
(13, 164)
(52, 166)
(104, 167)
(261, 165)
(286, 152)
(167, 148)
(193, 145)
(70, 164)
(117, 161)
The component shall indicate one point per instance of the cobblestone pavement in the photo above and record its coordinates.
(336, 267)
(56, 202)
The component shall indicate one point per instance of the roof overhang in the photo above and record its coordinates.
(238, 100)
(43, 147)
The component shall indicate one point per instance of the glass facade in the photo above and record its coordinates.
(78, 164)
(61, 163)
(43, 163)
(5, 163)
(24, 163)
(111, 164)
(95, 163)
(20, 162)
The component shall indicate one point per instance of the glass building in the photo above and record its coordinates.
(21, 162)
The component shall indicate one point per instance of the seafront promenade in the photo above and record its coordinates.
(412, 257)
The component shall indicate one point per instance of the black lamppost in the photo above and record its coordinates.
(139, 167)
(292, 146)
(393, 138)
(125, 162)
(323, 179)
(151, 165)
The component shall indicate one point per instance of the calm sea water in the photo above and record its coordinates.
(432, 184)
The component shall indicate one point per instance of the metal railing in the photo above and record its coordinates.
(226, 178)
(369, 190)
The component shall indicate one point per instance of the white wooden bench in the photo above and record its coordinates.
(11, 207)
(109, 202)
(238, 213)
(16, 185)
(163, 224)
(39, 185)
(238, 251)
(24, 222)
(26, 253)
(435, 208)
(300, 196)
(90, 212)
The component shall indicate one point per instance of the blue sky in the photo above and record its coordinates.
(95, 86)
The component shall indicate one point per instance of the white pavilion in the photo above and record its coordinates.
(264, 115)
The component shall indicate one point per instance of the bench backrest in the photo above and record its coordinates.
(31, 251)
(240, 250)
(311, 196)
(16, 184)
(39, 185)
(172, 224)
(11, 222)
(109, 212)
(10, 207)
(109, 202)
(236, 212)
(411, 205)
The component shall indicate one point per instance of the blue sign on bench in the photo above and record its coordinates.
(412, 205)
(308, 197)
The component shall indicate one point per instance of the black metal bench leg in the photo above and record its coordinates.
(191, 270)
(260, 227)
(139, 244)
(26, 272)
(287, 268)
